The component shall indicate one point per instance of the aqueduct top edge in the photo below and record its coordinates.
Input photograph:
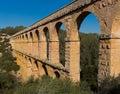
(59, 13)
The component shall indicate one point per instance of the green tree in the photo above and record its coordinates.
(11, 30)
(7, 61)
(89, 58)
(110, 85)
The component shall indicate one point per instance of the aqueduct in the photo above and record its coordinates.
(37, 55)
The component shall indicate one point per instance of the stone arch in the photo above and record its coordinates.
(36, 43)
(31, 36)
(37, 34)
(31, 43)
(53, 32)
(30, 61)
(46, 40)
(36, 64)
(61, 42)
(35, 68)
(45, 69)
(31, 64)
(79, 20)
(26, 39)
(46, 33)
(57, 74)
(23, 37)
(83, 15)
(26, 35)
(58, 26)
(25, 42)
(20, 36)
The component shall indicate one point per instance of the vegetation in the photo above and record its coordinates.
(48, 85)
(7, 61)
(8, 66)
(11, 30)
(110, 85)
(7, 83)
(89, 59)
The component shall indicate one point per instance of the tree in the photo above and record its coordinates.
(89, 58)
(7, 61)
(11, 30)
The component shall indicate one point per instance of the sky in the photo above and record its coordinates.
(27, 12)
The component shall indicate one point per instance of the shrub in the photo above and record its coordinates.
(110, 85)
(48, 85)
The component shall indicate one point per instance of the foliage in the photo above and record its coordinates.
(89, 49)
(7, 65)
(48, 85)
(110, 85)
(11, 30)
(7, 83)
(89, 58)
(29, 87)
(7, 61)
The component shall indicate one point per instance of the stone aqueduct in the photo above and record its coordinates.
(30, 44)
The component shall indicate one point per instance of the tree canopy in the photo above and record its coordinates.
(11, 30)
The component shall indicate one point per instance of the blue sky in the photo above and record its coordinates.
(27, 12)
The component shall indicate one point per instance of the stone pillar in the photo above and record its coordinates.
(42, 46)
(35, 68)
(30, 44)
(104, 57)
(53, 45)
(41, 70)
(35, 44)
(29, 68)
(115, 56)
(35, 49)
(19, 44)
(29, 47)
(39, 48)
(54, 51)
(25, 44)
(22, 67)
(72, 49)
(43, 50)
(72, 58)
(19, 73)
(67, 54)
(22, 44)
